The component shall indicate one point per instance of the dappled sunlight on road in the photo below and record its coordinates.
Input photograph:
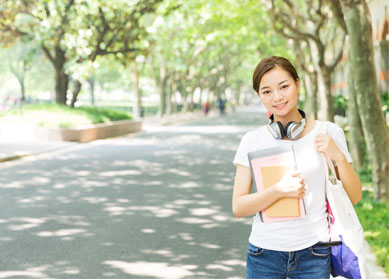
(28, 223)
(153, 269)
(64, 234)
(41, 271)
(30, 273)
(157, 205)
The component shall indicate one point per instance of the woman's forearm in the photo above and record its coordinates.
(250, 204)
(351, 183)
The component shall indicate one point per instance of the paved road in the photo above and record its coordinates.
(157, 205)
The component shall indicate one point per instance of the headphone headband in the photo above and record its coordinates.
(302, 113)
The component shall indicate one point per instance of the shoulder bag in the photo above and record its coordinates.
(348, 258)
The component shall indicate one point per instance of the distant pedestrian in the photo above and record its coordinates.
(206, 108)
(233, 105)
(221, 105)
(296, 248)
(142, 112)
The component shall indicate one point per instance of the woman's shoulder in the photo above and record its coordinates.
(256, 132)
(332, 128)
(253, 135)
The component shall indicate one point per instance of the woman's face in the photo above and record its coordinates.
(279, 92)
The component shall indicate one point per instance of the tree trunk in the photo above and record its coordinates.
(323, 70)
(315, 102)
(91, 82)
(330, 113)
(191, 97)
(162, 97)
(358, 22)
(310, 85)
(173, 100)
(356, 139)
(169, 99)
(20, 74)
(76, 91)
(306, 78)
(137, 106)
(61, 86)
(61, 78)
(236, 96)
(185, 105)
(22, 88)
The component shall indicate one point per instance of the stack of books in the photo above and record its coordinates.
(269, 166)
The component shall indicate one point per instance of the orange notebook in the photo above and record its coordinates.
(268, 166)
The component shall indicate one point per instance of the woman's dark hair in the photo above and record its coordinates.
(270, 63)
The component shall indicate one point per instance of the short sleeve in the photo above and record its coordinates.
(241, 154)
(340, 140)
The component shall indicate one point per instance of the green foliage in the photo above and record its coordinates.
(340, 104)
(385, 102)
(212, 44)
(365, 175)
(60, 116)
(72, 34)
(374, 217)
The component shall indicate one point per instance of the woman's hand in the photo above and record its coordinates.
(292, 185)
(324, 143)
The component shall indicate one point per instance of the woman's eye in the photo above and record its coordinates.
(266, 92)
(285, 86)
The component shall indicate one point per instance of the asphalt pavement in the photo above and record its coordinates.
(152, 205)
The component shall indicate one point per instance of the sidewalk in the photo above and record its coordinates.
(16, 148)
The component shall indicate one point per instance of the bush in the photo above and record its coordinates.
(374, 218)
(60, 116)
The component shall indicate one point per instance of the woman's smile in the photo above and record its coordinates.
(280, 106)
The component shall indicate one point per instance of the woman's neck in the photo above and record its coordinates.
(292, 116)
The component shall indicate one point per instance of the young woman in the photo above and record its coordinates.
(293, 248)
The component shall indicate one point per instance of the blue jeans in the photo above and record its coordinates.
(310, 263)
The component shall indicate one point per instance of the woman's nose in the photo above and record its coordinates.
(277, 95)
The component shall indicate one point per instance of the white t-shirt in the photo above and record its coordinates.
(293, 235)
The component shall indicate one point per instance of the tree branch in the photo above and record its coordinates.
(65, 18)
(322, 19)
(123, 50)
(338, 56)
(13, 30)
(101, 36)
(336, 8)
(48, 54)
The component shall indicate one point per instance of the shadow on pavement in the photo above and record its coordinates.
(154, 206)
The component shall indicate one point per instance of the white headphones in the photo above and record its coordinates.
(292, 130)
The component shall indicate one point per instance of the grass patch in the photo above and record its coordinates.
(59, 116)
(374, 218)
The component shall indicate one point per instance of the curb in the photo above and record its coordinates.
(12, 158)
(174, 119)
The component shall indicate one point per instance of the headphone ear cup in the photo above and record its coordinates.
(282, 130)
(293, 130)
(289, 128)
(276, 130)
